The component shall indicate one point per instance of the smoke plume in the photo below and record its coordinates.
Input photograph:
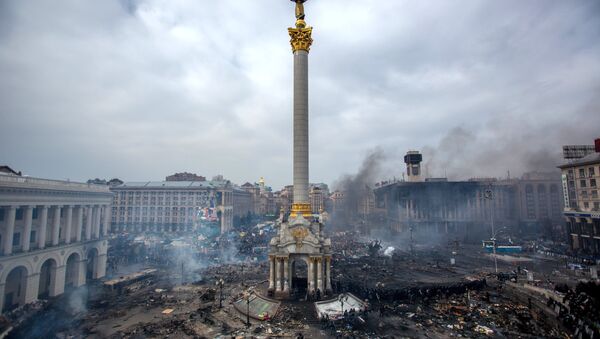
(356, 189)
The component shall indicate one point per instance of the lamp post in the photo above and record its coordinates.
(365, 269)
(341, 299)
(243, 274)
(248, 296)
(489, 195)
(220, 283)
(494, 247)
(412, 251)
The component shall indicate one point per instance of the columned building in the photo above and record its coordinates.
(171, 206)
(52, 237)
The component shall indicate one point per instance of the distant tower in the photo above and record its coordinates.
(261, 184)
(413, 165)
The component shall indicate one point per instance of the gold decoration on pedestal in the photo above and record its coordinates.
(303, 209)
(299, 234)
(301, 37)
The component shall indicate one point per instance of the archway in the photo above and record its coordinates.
(47, 278)
(72, 272)
(92, 260)
(299, 277)
(15, 288)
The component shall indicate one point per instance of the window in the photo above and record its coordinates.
(19, 214)
(594, 194)
(1, 214)
(16, 239)
(34, 215)
(591, 172)
(32, 237)
(584, 194)
(582, 183)
(586, 205)
(582, 172)
(597, 206)
(592, 182)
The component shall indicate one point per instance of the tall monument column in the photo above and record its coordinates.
(300, 40)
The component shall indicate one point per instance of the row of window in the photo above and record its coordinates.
(166, 202)
(583, 183)
(151, 219)
(586, 205)
(123, 195)
(583, 172)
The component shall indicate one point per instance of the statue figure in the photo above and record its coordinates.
(299, 9)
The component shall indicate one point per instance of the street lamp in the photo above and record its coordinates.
(494, 247)
(365, 269)
(341, 299)
(488, 194)
(220, 283)
(412, 251)
(248, 296)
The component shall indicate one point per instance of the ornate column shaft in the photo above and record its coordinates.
(320, 274)
(311, 274)
(286, 271)
(55, 225)
(271, 272)
(78, 223)
(68, 224)
(97, 217)
(43, 227)
(301, 41)
(107, 217)
(88, 223)
(10, 229)
(277, 275)
(27, 228)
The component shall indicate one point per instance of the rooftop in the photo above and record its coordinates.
(589, 159)
(173, 184)
(8, 180)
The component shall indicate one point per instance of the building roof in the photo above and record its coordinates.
(173, 184)
(7, 170)
(589, 159)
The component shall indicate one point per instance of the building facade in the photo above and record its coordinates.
(580, 180)
(171, 206)
(243, 202)
(466, 209)
(52, 237)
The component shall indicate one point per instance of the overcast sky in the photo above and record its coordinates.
(142, 89)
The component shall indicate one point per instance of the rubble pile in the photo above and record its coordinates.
(580, 311)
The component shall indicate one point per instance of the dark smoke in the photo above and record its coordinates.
(355, 189)
(512, 143)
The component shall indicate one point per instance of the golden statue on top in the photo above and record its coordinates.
(299, 9)
(301, 35)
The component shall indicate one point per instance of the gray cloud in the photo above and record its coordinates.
(141, 89)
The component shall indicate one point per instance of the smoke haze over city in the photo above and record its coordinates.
(137, 89)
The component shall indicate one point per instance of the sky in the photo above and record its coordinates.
(142, 89)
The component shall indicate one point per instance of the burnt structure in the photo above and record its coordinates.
(465, 209)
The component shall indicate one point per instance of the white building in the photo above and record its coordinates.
(51, 237)
(170, 206)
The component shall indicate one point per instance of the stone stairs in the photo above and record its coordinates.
(307, 309)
